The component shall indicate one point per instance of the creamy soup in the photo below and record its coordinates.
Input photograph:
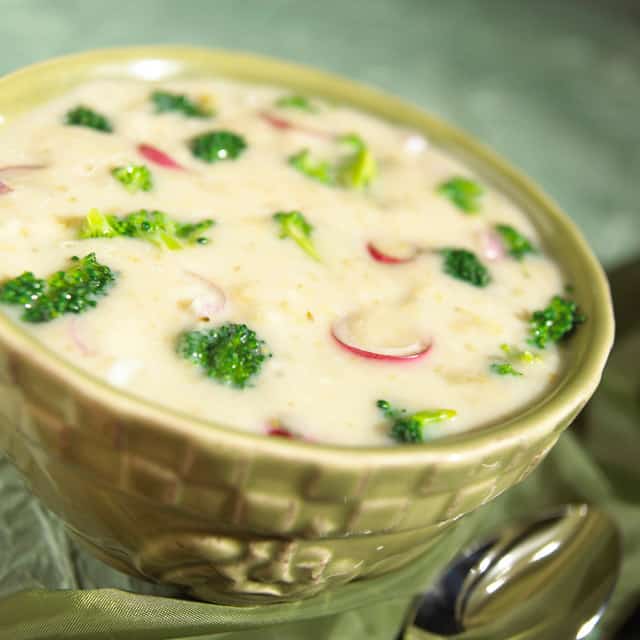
(275, 263)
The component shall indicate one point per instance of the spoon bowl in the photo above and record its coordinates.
(546, 578)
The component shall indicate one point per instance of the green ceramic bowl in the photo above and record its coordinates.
(241, 518)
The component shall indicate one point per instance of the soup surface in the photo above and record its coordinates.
(276, 263)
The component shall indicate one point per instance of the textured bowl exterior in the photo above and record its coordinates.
(243, 519)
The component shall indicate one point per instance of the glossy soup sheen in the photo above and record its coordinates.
(363, 304)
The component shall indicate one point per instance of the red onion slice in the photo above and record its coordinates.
(283, 124)
(280, 432)
(206, 306)
(410, 352)
(153, 154)
(275, 121)
(492, 246)
(381, 256)
(4, 187)
(210, 303)
(275, 428)
(76, 338)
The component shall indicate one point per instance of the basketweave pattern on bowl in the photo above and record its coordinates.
(232, 568)
(301, 500)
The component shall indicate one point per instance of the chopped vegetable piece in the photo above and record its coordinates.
(22, 290)
(354, 171)
(217, 145)
(153, 154)
(359, 168)
(72, 291)
(190, 231)
(407, 427)
(83, 116)
(517, 354)
(10, 168)
(209, 303)
(231, 354)
(134, 177)
(317, 170)
(280, 432)
(516, 244)
(386, 258)
(464, 265)
(513, 354)
(275, 121)
(76, 338)
(153, 226)
(276, 428)
(504, 369)
(407, 353)
(464, 193)
(554, 323)
(165, 101)
(492, 245)
(295, 102)
(98, 225)
(283, 124)
(295, 226)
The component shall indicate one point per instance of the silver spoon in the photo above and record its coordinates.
(543, 579)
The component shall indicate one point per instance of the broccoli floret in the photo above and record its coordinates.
(98, 225)
(295, 102)
(406, 427)
(356, 170)
(231, 354)
(83, 116)
(189, 232)
(134, 177)
(464, 265)
(516, 244)
(464, 193)
(217, 145)
(359, 168)
(165, 101)
(317, 170)
(554, 323)
(153, 226)
(295, 226)
(514, 353)
(72, 291)
(504, 369)
(23, 290)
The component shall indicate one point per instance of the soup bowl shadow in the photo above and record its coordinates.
(243, 519)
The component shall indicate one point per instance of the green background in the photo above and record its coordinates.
(554, 86)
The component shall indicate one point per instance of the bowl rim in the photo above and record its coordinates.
(578, 381)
